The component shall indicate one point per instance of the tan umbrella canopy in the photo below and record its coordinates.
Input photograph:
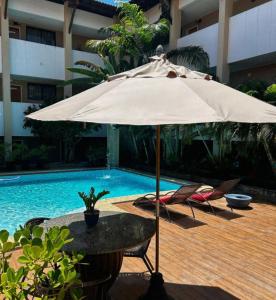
(159, 93)
(155, 94)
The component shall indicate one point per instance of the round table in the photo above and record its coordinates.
(105, 243)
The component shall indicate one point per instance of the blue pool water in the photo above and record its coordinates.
(54, 194)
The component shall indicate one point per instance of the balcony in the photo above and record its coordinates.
(30, 59)
(252, 34)
(207, 38)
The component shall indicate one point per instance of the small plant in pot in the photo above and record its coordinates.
(91, 215)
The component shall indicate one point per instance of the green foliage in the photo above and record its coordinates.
(255, 88)
(67, 133)
(193, 57)
(132, 36)
(97, 155)
(4, 150)
(129, 44)
(20, 152)
(40, 153)
(91, 199)
(46, 272)
(270, 94)
(93, 73)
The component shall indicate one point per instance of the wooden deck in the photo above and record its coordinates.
(222, 256)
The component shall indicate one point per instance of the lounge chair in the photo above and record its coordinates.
(207, 194)
(141, 252)
(170, 198)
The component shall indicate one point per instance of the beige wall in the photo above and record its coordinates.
(266, 73)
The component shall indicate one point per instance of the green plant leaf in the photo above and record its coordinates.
(23, 260)
(37, 231)
(64, 234)
(36, 251)
(8, 246)
(37, 242)
(4, 235)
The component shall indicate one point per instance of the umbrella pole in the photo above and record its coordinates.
(156, 288)
(157, 212)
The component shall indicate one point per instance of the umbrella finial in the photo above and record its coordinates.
(159, 50)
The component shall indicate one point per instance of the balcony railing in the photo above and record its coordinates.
(42, 61)
(252, 34)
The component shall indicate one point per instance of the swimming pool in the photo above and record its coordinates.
(54, 194)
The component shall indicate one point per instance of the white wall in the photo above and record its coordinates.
(42, 61)
(207, 38)
(36, 60)
(253, 32)
(18, 119)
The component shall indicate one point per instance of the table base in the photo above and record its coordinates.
(98, 267)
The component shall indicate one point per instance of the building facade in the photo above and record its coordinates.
(40, 38)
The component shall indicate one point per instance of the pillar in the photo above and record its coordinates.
(175, 28)
(225, 12)
(67, 43)
(6, 80)
(113, 146)
(113, 136)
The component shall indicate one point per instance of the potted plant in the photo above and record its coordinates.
(91, 215)
(45, 272)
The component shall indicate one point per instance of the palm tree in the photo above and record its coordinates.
(130, 43)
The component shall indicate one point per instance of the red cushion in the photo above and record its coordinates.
(202, 197)
(164, 199)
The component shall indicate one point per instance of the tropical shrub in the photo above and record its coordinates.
(90, 200)
(45, 271)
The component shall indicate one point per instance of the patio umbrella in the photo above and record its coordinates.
(155, 94)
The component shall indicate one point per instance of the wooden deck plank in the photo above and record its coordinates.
(224, 258)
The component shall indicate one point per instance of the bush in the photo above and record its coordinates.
(45, 271)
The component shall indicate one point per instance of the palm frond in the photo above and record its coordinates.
(193, 57)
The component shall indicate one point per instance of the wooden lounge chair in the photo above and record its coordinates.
(141, 252)
(170, 198)
(207, 194)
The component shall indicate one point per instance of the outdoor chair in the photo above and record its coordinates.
(174, 197)
(141, 252)
(35, 221)
(207, 194)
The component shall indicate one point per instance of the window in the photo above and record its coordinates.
(41, 36)
(14, 32)
(16, 93)
(44, 92)
(192, 29)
